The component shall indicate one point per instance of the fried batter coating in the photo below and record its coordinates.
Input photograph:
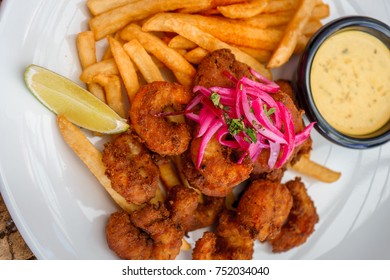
(231, 241)
(198, 181)
(159, 134)
(145, 234)
(166, 236)
(210, 71)
(219, 168)
(301, 220)
(264, 208)
(126, 240)
(130, 168)
(189, 212)
(261, 170)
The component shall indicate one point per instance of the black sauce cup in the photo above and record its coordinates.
(301, 81)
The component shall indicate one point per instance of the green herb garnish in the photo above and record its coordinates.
(252, 134)
(269, 112)
(235, 126)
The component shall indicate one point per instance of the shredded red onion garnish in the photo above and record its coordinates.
(247, 118)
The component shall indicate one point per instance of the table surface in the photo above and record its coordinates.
(12, 245)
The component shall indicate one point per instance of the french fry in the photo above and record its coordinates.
(168, 173)
(154, 45)
(126, 68)
(92, 158)
(97, 90)
(112, 87)
(107, 67)
(179, 42)
(301, 44)
(282, 18)
(211, 43)
(97, 7)
(294, 29)
(243, 10)
(311, 27)
(268, 20)
(280, 6)
(113, 20)
(228, 31)
(144, 62)
(196, 55)
(207, 5)
(261, 55)
(310, 168)
(185, 246)
(86, 50)
(321, 11)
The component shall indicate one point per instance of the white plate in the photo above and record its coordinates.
(61, 209)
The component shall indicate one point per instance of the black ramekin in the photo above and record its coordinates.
(302, 86)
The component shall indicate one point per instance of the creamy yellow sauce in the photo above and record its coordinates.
(350, 82)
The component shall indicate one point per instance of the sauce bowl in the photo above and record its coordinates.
(305, 90)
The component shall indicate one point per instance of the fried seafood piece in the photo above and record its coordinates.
(189, 211)
(231, 241)
(210, 71)
(261, 170)
(219, 168)
(130, 167)
(198, 181)
(166, 235)
(125, 239)
(159, 134)
(145, 234)
(301, 220)
(264, 208)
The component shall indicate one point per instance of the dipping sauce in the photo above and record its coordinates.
(350, 82)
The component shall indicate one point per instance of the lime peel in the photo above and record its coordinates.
(64, 97)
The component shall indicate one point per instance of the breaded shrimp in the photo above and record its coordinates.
(189, 212)
(211, 70)
(145, 234)
(166, 235)
(231, 241)
(219, 167)
(159, 134)
(126, 240)
(264, 208)
(130, 168)
(301, 220)
(261, 170)
(198, 181)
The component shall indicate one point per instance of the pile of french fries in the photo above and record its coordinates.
(146, 39)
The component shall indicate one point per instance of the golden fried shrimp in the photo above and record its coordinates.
(301, 220)
(206, 248)
(261, 170)
(182, 203)
(145, 234)
(159, 134)
(189, 212)
(219, 168)
(126, 240)
(211, 70)
(264, 208)
(166, 236)
(198, 181)
(231, 241)
(131, 169)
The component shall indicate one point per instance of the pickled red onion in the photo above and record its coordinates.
(246, 118)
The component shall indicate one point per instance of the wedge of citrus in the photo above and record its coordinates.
(64, 97)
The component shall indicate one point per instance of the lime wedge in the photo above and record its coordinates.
(64, 97)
